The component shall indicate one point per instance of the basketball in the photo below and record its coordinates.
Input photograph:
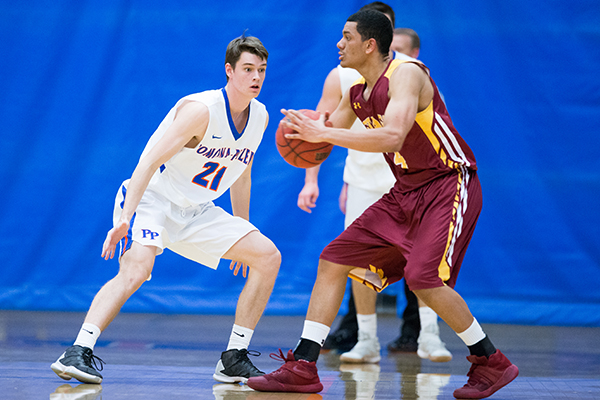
(297, 152)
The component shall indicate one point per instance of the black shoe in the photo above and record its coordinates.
(76, 363)
(235, 366)
(404, 344)
(342, 340)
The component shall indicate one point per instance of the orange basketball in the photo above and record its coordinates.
(297, 152)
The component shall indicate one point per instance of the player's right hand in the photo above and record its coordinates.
(308, 196)
(113, 237)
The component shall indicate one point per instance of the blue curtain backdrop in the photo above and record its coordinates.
(83, 84)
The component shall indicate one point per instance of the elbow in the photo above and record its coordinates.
(394, 144)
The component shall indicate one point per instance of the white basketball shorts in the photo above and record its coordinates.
(357, 201)
(200, 233)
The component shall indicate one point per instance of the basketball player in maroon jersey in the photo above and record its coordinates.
(420, 230)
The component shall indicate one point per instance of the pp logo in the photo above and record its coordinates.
(148, 233)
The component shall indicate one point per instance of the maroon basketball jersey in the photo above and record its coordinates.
(432, 148)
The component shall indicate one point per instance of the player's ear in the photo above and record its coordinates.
(228, 70)
(370, 45)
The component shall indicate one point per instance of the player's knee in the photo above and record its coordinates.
(134, 275)
(267, 259)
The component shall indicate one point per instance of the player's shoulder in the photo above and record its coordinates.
(208, 97)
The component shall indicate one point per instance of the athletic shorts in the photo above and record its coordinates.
(421, 235)
(357, 201)
(201, 233)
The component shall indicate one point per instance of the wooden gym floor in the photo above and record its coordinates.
(155, 356)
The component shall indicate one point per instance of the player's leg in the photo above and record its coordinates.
(263, 259)
(430, 345)
(135, 268)
(78, 361)
(367, 349)
(411, 325)
(445, 231)
(299, 373)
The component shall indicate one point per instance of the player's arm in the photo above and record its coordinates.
(239, 192)
(406, 84)
(330, 98)
(190, 121)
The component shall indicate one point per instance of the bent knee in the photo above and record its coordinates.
(267, 260)
(134, 275)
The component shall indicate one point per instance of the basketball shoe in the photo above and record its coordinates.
(299, 376)
(365, 351)
(486, 376)
(403, 344)
(235, 366)
(432, 348)
(76, 362)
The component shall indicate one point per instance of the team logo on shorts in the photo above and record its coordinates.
(147, 233)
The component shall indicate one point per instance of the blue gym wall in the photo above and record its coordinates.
(84, 83)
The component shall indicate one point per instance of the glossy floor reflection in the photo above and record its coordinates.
(152, 356)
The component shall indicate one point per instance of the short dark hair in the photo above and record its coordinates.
(415, 41)
(381, 7)
(241, 44)
(372, 24)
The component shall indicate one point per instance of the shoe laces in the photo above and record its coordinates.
(281, 357)
(244, 353)
(89, 358)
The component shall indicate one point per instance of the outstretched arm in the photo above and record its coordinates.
(190, 121)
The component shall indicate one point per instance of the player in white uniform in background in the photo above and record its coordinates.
(204, 146)
(367, 177)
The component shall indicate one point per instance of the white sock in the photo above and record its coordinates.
(428, 319)
(240, 337)
(473, 334)
(87, 336)
(367, 326)
(315, 331)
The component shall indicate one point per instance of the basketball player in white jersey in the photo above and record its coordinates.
(367, 177)
(204, 146)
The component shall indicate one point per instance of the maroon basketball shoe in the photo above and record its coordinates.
(293, 376)
(486, 376)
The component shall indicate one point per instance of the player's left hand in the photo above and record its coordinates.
(237, 265)
(306, 128)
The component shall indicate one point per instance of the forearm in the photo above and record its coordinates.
(312, 175)
(379, 140)
(240, 199)
(135, 190)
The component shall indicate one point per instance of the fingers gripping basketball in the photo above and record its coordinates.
(299, 153)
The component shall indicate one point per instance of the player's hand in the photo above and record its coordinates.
(343, 198)
(326, 120)
(113, 237)
(237, 265)
(308, 196)
(307, 129)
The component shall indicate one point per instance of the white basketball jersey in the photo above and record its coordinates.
(368, 171)
(197, 175)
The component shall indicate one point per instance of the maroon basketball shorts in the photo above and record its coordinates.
(420, 235)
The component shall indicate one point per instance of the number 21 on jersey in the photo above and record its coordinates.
(211, 176)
